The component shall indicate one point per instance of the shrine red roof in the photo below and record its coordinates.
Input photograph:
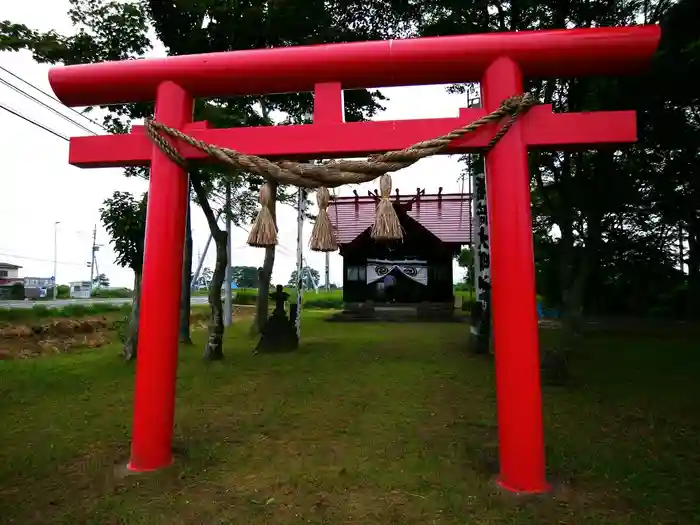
(447, 216)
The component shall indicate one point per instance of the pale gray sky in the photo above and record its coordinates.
(39, 187)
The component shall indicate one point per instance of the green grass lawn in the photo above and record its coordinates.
(366, 424)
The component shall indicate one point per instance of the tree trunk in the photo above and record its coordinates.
(213, 351)
(132, 336)
(186, 282)
(694, 270)
(264, 276)
(554, 360)
(214, 345)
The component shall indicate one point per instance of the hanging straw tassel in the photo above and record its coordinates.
(386, 225)
(322, 237)
(264, 231)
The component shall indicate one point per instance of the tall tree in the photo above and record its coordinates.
(216, 25)
(245, 276)
(124, 218)
(205, 277)
(309, 276)
(101, 281)
(599, 216)
(185, 307)
(110, 30)
(465, 259)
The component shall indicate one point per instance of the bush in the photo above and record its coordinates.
(112, 293)
(17, 291)
(73, 311)
(468, 306)
(325, 301)
(63, 291)
(466, 295)
(121, 327)
(245, 296)
(320, 300)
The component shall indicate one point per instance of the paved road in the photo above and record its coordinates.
(197, 299)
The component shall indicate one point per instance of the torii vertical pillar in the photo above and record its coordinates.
(516, 343)
(156, 365)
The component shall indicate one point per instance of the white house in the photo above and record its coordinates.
(80, 289)
(9, 271)
(9, 277)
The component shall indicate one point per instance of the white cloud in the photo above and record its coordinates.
(39, 187)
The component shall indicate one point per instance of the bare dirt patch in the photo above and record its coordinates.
(55, 336)
(52, 336)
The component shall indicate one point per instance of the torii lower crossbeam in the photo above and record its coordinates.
(330, 137)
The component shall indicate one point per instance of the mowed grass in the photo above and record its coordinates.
(366, 424)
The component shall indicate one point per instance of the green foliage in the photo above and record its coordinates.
(113, 293)
(101, 281)
(63, 291)
(121, 328)
(17, 292)
(107, 30)
(310, 276)
(245, 297)
(469, 306)
(124, 218)
(312, 300)
(465, 258)
(323, 301)
(245, 276)
(73, 311)
(608, 225)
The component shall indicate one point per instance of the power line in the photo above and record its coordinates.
(281, 248)
(38, 259)
(51, 97)
(23, 117)
(44, 104)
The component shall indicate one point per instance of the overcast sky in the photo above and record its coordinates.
(39, 187)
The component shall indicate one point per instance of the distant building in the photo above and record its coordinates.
(37, 287)
(80, 289)
(9, 277)
(9, 272)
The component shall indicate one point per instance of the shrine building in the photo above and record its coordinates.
(416, 269)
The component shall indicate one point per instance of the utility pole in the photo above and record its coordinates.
(228, 299)
(92, 257)
(680, 247)
(328, 272)
(203, 255)
(55, 258)
(300, 256)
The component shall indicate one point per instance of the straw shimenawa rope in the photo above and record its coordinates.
(386, 225)
(264, 230)
(322, 237)
(335, 173)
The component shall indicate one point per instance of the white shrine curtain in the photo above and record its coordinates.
(415, 270)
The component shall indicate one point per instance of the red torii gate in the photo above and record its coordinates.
(497, 60)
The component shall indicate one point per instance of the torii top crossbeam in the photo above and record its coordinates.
(434, 60)
(328, 69)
